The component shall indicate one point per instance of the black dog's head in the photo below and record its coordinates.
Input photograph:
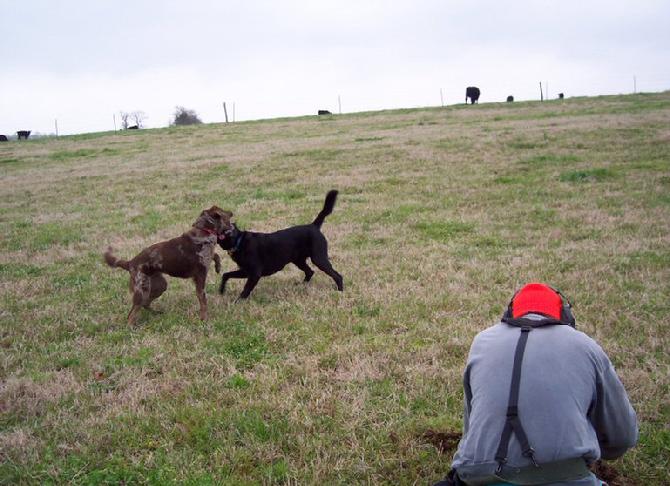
(230, 237)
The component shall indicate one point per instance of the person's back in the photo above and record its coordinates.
(571, 405)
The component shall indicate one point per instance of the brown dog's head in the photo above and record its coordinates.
(214, 219)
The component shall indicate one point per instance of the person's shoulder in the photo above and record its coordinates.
(580, 341)
(494, 332)
(496, 328)
(580, 337)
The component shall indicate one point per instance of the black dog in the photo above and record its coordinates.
(262, 254)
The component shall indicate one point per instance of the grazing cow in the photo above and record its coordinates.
(324, 112)
(3, 138)
(560, 96)
(510, 98)
(472, 93)
(134, 127)
(23, 134)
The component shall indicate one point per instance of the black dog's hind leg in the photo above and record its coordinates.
(302, 265)
(228, 275)
(324, 265)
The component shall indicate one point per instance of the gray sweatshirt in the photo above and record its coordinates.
(571, 401)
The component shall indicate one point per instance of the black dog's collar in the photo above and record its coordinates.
(238, 243)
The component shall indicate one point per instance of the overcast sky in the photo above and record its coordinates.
(80, 62)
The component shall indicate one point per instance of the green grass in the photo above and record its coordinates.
(587, 175)
(443, 230)
(442, 214)
(74, 154)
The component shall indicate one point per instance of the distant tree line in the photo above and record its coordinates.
(181, 116)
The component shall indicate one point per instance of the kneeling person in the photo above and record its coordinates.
(542, 400)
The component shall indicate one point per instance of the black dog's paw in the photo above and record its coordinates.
(241, 298)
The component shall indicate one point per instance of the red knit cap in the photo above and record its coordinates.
(537, 297)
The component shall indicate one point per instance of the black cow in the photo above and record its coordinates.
(560, 96)
(324, 112)
(23, 134)
(134, 127)
(472, 93)
(510, 98)
(3, 138)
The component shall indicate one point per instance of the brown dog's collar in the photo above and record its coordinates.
(211, 232)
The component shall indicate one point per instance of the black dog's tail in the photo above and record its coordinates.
(327, 208)
(112, 261)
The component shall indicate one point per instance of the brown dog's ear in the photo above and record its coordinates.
(217, 209)
(202, 220)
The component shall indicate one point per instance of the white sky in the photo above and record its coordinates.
(80, 62)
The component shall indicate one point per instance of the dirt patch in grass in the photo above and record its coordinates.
(444, 442)
(610, 474)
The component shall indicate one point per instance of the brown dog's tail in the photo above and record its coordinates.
(327, 208)
(114, 262)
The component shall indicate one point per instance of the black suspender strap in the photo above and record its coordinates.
(513, 423)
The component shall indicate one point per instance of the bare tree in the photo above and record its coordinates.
(124, 120)
(138, 117)
(184, 116)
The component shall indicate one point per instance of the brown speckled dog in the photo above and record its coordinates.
(187, 256)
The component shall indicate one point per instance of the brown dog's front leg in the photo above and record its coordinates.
(132, 315)
(217, 263)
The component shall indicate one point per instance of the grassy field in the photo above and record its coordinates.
(443, 213)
